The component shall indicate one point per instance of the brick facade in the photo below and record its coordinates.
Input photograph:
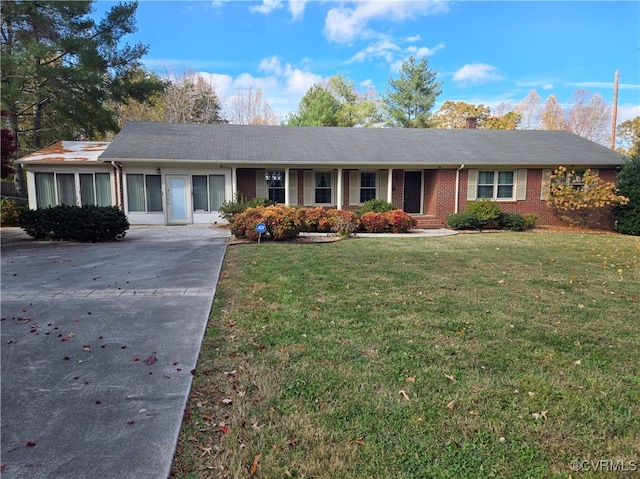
(439, 192)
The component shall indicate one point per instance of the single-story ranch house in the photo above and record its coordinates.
(166, 173)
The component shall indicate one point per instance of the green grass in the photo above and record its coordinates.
(477, 355)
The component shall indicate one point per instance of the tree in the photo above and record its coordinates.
(589, 117)
(8, 148)
(582, 200)
(628, 133)
(508, 121)
(190, 98)
(356, 109)
(628, 183)
(529, 111)
(61, 70)
(146, 109)
(454, 114)
(318, 107)
(552, 116)
(248, 108)
(411, 96)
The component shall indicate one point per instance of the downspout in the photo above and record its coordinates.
(458, 186)
(117, 169)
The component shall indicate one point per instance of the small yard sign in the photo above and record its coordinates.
(261, 228)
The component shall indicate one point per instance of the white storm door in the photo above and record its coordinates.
(177, 195)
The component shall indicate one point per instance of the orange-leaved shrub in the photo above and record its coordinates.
(395, 221)
(282, 222)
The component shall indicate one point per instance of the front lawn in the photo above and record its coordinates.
(476, 355)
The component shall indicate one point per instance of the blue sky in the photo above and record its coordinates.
(484, 52)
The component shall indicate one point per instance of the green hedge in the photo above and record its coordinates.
(75, 223)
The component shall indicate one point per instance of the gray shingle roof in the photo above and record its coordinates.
(393, 147)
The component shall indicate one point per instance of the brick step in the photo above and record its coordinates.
(426, 222)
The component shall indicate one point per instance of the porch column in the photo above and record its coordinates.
(390, 186)
(287, 200)
(234, 183)
(339, 190)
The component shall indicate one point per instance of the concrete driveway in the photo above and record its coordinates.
(97, 344)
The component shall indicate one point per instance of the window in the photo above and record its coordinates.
(367, 187)
(208, 192)
(323, 188)
(275, 186)
(496, 185)
(66, 185)
(95, 189)
(577, 180)
(62, 189)
(144, 193)
(45, 190)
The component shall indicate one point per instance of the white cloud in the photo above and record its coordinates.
(476, 73)
(345, 23)
(424, 51)
(296, 7)
(266, 7)
(382, 49)
(604, 84)
(627, 112)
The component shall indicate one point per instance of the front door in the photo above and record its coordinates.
(177, 195)
(412, 192)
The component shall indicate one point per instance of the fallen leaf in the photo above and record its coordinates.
(359, 441)
(292, 442)
(450, 378)
(225, 429)
(581, 306)
(259, 346)
(208, 417)
(404, 394)
(577, 363)
(411, 379)
(451, 404)
(254, 466)
(151, 360)
(29, 443)
(226, 401)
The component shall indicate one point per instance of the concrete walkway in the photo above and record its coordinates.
(97, 345)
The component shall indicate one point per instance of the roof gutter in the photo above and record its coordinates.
(457, 187)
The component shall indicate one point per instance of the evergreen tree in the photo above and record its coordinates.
(411, 97)
(318, 107)
(628, 183)
(62, 72)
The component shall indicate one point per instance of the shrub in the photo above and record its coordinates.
(310, 218)
(512, 221)
(463, 221)
(530, 220)
(335, 219)
(76, 223)
(282, 222)
(375, 206)
(395, 221)
(487, 212)
(231, 208)
(399, 222)
(11, 210)
(372, 222)
(628, 183)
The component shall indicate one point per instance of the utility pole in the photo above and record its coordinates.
(614, 118)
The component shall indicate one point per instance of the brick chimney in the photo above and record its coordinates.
(472, 123)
